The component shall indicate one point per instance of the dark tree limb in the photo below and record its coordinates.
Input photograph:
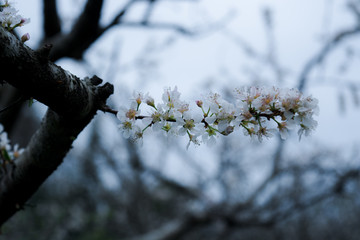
(72, 104)
(84, 32)
(35, 76)
(52, 25)
(87, 29)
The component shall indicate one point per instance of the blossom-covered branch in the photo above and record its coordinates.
(258, 111)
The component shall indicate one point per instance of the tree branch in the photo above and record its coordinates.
(149, 11)
(51, 18)
(43, 155)
(84, 32)
(119, 16)
(87, 30)
(35, 76)
(158, 25)
(72, 102)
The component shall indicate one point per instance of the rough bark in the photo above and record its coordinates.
(35, 76)
(72, 104)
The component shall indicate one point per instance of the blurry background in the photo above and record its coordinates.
(109, 188)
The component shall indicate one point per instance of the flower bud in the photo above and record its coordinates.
(228, 130)
(25, 37)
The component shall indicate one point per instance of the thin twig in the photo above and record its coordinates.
(106, 108)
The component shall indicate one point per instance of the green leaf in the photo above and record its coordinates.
(31, 102)
(5, 155)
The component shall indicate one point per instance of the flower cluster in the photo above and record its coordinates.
(9, 17)
(7, 152)
(259, 112)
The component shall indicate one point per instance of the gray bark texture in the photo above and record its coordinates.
(72, 104)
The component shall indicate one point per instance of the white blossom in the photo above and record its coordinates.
(211, 116)
(9, 17)
(7, 152)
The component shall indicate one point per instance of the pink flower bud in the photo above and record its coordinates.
(24, 21)
(25, 37)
